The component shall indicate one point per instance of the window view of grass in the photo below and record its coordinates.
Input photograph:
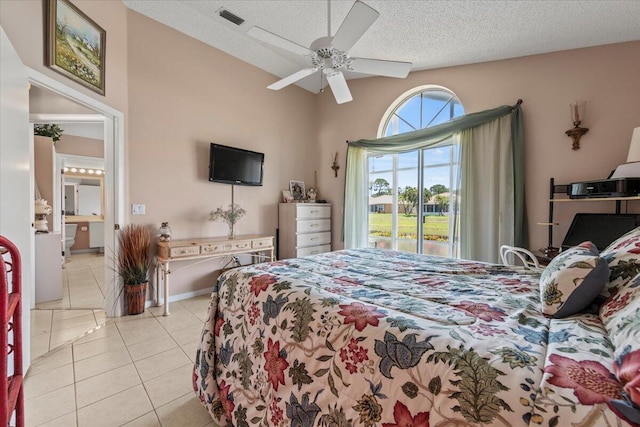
(402, 181)
(436, 227)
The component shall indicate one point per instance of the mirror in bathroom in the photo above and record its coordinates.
(83, 195)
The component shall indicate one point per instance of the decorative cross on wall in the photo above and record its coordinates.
(335, 165)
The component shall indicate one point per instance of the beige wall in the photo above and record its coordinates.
(82, 238)
(43, 156)
(186, 95)
(23, 22)
(605, 76)
(42, 101)
(80, 146)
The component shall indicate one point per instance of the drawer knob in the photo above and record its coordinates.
(316, 211)
(313, 225)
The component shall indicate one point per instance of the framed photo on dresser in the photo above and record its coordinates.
(297, 189)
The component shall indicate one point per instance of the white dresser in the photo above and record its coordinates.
(305, 229)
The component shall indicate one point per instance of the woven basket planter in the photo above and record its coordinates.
(135, 296)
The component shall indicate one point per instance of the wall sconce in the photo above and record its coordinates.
(576, 109)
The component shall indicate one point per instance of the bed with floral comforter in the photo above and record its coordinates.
(379, 338)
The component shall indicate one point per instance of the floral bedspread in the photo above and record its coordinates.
(379, 338)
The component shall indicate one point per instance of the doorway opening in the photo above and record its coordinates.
(59, 104)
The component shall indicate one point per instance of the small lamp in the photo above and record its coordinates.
(164, 232)
(576, 109)
(634, 147)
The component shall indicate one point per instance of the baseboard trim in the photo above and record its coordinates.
(180, 297)
(85, 251)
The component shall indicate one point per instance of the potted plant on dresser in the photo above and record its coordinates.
(133, 262)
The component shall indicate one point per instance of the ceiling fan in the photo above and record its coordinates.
(330, 55)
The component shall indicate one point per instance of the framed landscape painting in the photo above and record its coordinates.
(75, 45)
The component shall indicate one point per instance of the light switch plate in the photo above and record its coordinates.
(137, 209)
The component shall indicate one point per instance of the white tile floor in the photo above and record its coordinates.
(90, 371)
(82, 283)
(133, 371)
(54, 323)
(53, 328)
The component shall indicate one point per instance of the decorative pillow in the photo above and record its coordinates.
(623, 257)
(621, 318)
(572, 280)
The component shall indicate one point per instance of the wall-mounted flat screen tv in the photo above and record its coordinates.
(232, 165)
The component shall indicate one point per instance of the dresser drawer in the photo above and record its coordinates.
(262, 243)
(313, 211)
(313, 239)
(238, 245)
(313, 250)
(212, 248)
(183, 251)
(312, 225)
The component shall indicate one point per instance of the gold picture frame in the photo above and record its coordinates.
(75, 45)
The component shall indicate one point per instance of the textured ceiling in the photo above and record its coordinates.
(430, 34)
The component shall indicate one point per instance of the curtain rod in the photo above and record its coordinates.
(518, 102)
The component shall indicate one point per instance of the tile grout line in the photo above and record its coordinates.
(50, 331)
(180, 347)
(96, 280)
(75, 388)
(139, 377)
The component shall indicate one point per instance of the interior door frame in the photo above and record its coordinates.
(114, 184)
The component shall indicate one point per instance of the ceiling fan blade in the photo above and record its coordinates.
(275, 40)
(357, 22)
(292, 78)
(339, 87)
(379, 67)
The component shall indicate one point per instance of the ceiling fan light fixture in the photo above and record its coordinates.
(339, 59)
(329, 55)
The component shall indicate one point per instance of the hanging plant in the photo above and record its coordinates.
(52, 131)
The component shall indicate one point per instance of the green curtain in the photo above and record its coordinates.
(487, 202)
(355, 229)
(521, 238)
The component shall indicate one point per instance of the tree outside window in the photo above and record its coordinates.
(394, 220)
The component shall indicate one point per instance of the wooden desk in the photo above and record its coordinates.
(203, 249)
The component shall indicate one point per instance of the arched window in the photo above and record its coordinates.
(409, 192)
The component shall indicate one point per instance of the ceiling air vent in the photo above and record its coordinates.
(224, 13)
